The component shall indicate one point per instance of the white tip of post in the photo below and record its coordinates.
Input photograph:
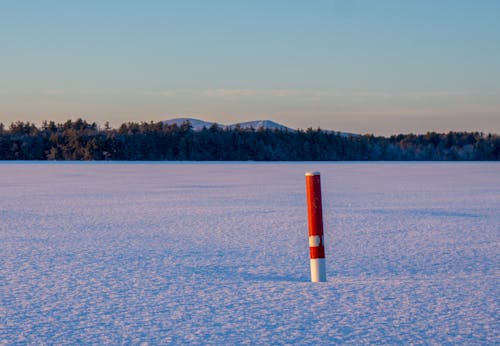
(312, 173)
(318, 270)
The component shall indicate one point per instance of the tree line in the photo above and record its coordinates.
(80, 140)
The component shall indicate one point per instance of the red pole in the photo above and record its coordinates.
(315, 218)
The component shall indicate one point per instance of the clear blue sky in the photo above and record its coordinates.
(370, 66)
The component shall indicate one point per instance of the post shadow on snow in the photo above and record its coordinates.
(360, 268)
(232, 273)
(270, 277)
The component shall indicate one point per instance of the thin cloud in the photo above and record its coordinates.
(173, 93)
(12, 92)
(418, 94)
(78, 92)
(224, 93)
(53, 92)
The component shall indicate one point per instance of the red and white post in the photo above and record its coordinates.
(315, 218)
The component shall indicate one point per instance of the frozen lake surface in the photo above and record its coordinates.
(218, 254)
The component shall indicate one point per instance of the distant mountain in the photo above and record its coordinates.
(198, 124)
(257, 124)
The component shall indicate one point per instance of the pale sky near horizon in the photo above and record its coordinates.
(382, 67)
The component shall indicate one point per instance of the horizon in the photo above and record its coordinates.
(382, 68)
(102, 124)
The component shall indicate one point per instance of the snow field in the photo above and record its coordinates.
(218, 254)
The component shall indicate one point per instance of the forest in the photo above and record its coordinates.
(145, 141)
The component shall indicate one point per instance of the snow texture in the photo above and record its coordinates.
(217, 254)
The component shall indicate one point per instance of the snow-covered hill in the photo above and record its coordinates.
(198, 124)
(257, 124)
